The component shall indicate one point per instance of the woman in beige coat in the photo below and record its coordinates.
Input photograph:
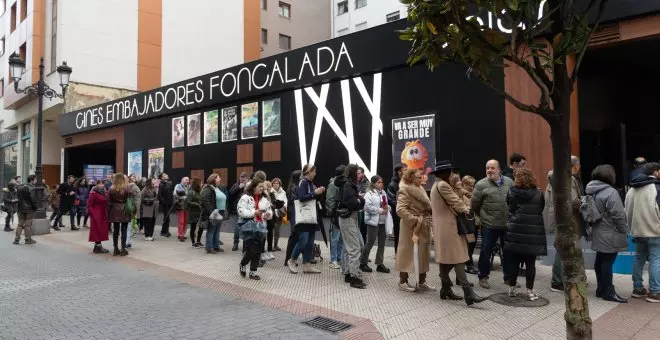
(451, 249)
(414, 209)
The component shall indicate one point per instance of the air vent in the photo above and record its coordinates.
(68, 140)
(605, 34)
(327, 324)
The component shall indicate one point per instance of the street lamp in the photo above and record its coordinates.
(41, 89)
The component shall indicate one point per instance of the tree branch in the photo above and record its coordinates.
(601, 9)
(515, 102)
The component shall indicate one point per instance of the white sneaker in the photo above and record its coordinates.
(292, 266)
(272, 257)
(512, 291)
(406, 288)
(531, 295)
(335, 265)
(425, 287)
(147, 239)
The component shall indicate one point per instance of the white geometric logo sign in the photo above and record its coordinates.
(346, 138)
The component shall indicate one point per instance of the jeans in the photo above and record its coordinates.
(647, 249)
(182, 218)
(336, 244)
(488, 240)
(237, 230)
(374, 233)
(63, 210)
(511, 269)
(353, 245)
(251, 253)
(603, 268)
(81, 211)
(213, 235)
(305, 245)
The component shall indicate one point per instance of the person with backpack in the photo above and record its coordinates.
(603, 210)
(332, 198)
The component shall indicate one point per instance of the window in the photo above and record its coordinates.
(2, 87)
(264, 36)
(361, 26)
(264, 5)
(2, 46)
(285, 10)
(342, 32)
(360, 3)
(342, 7)
(22, 51)
(285, 42)
(12, 23)
(394, 16)
(53, 38)
(23, 9)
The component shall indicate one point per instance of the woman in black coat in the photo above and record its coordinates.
(525, 236)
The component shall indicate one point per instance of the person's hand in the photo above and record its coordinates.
(415, 238)
(257, 213)
(382, 211)
(319, 190)
(72, 193)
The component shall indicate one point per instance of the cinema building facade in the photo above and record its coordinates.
(354, 99)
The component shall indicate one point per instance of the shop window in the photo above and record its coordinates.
(285, 10)
(244, 154)
(27, 130)
(272, 151)
(264, 5)
(285, 42)
(361, 26)
(23, 9)
(12, 19)
(394, 16)
(342, 7)
(53, 38)
(22, 52)
(360, 3)
(9, 163)
(264, 36)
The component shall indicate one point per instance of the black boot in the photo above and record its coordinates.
(98, 249)
(611, 295)
(348, 278)
(470, 297)
(447, 294)
(599, 292)
(116, 252)
(357, 282)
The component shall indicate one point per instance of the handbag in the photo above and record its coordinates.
(305, 212)
(465, 223)
(129, 206)
(252, 229)
(389, 224)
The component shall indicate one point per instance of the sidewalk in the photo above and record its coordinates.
(381, 311)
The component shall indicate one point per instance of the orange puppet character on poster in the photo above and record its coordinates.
(415, 156)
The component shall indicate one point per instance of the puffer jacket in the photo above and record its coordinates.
(26, 200)
(247, 208)
(349, 195)
(489, 202)
(193, 205)
(82, 194)
(10, 198)
(373, 207)
(208, 203)
(525, 233)
(610, 234)
(643, 206)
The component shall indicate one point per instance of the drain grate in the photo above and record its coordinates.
(327, 324)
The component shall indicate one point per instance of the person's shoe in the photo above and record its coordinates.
(272, 257)
(471, 270)
(425, 287)
(182, 239)
(382, 269)
(640, 293)
(406, 287)
(483, 283)
(264, 257)
(512, 291)
(56, 228)
(347, 278)
(98, 249)
(599, 292)
(292, 267)
(235, 247)
(221, 243)
(334, 265)
(129, 246)
(116, 252)
(123, 252)
(531, 295)
(211, 251)
(219, 250)
(242, 270)
(446, 293)
(8, 229)
(653, 298)
(309, 269)
(557, 288)
(85, 226)
(30, 241)
(254, 276)
(74, 228)
(17, 241)
(611, 295)
(365, 268)
(470, 283)
(262, 263)
(168, 235)
(357, 282)
(277, 248)
(470, 297)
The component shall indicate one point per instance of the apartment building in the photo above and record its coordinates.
(116, 48)
(290, 24)
(350, 16)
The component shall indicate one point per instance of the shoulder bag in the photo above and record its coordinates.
(464, 222)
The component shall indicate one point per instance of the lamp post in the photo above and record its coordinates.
(41, 89)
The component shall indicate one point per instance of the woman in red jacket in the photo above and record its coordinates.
(97, 209)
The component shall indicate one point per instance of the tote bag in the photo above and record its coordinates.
(305, 212)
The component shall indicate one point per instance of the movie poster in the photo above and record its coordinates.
(156, 162)
(229, 124)
(178, 132)
(413, 144)
(250, 121)
(211, 127)
(270, 114)
(194, 129)
(135, 164)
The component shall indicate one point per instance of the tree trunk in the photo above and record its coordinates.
(567, 242)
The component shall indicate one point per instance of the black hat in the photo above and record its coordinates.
(442, 166)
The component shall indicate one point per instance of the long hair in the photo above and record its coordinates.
(409, 175)
(351, 172)
(373, 181)
(250, 189)
(294, 180)
(196, 184)
(454, 178)
(118, 183)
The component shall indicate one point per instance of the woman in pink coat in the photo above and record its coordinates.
(97, 208)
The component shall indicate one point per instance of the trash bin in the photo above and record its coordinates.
(625, 259)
